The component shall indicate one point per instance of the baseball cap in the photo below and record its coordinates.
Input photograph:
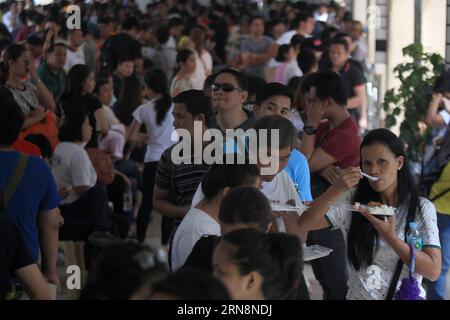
(312, 44)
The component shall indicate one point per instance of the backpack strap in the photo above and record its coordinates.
(398, 270)
(443, 193)
(14, 181)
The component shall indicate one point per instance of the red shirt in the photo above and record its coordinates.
(341, 142)
(27, 148)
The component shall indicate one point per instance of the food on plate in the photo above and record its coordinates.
(376, 208)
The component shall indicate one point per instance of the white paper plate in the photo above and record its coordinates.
(287, 207)
(315, 252)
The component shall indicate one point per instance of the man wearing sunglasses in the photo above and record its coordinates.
(229, 92)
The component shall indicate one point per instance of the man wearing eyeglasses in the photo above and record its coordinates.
(229, 92)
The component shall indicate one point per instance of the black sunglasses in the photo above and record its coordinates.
(226, 87)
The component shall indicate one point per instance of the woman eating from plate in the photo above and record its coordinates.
(376, 245)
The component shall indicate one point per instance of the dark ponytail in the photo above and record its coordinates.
(156, 80)
(276, 257)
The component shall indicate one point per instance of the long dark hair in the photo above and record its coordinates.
(130, 98)
(12, 52)
(362, 237)
(156, 80)
(75, 81)
(277, 257)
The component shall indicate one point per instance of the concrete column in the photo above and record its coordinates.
(434, 15)
(360, 10)
(400, 35)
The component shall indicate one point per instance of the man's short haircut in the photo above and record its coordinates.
(124, 58)
(340, 41)
(145, 26)
(196, 103)
(105, 20)
(221, 176)
(53, 47)
(255, 17)
(255, 84)
(130, 23)
(302, 17)
(240, 78)
(209, 81)
(162, 34)
(274, 89)
(328, 84)
(175, 22)
(38, 18)
(286, 130)
(35, 41)
(198, 26)
(11, 118)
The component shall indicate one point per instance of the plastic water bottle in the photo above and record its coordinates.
(414, 237)
(127, 200)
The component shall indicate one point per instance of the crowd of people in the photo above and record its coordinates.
(87, 135)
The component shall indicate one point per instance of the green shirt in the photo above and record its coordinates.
(53, 81)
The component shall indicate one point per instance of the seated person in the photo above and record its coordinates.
(85, 204)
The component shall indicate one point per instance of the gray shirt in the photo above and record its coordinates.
(251, 46)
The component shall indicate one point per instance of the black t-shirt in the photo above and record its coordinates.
(352, 77)
(247, 124)
(117, 81)
(13, 253)
(202, 253)
(122, 45)
(89, 103)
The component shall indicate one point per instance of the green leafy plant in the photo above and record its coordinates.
(413, 96)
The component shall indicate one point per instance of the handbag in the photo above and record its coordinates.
(103, 165)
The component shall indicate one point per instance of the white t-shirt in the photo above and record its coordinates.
(195, 224)
(72, 167)
(7, 21)
(385, 258)
(203, 66)
(281, 189)
(292, 70)
(110, 116)
(297, 120)
(287, 37)
(159, 136)
(74, 57)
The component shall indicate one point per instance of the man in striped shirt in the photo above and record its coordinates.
(175, 184)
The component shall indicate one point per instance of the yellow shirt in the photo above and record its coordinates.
(443, 203)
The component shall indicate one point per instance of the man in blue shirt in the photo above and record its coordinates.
(33, 207)
(277, 99)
